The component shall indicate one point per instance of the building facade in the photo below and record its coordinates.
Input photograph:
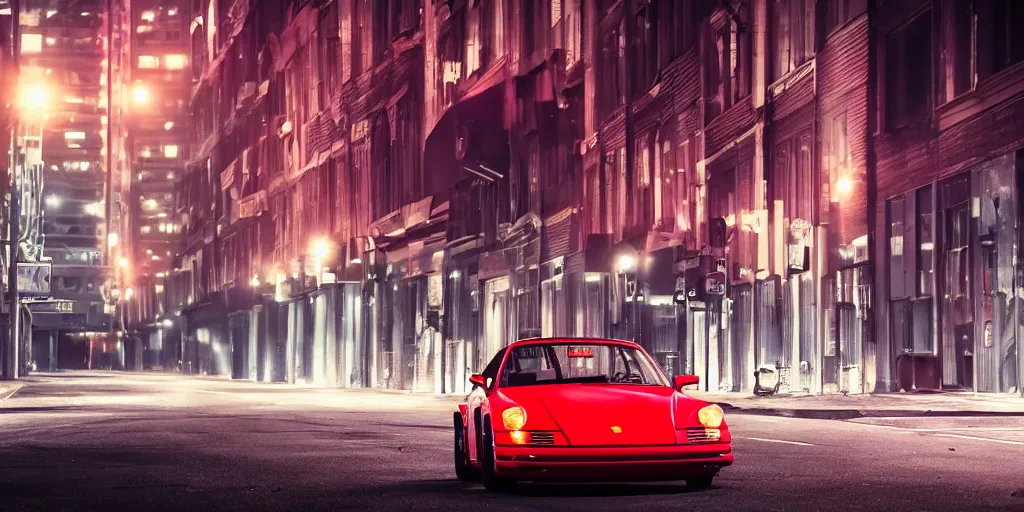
(384, 194)
(156, 138)
(63, 59)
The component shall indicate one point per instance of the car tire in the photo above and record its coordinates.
(463, 470)
(492, 482)
(700, 482)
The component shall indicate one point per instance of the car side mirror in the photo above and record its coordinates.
(478, 380)
(681, 381)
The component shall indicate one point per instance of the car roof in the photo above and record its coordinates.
(571, 340)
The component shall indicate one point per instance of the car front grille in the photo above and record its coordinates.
(542, 438)
(703, 435)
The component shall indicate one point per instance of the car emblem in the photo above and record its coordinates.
(616, 429)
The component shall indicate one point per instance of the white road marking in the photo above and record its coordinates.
(933, 430)
(973, 438)
(796, 443)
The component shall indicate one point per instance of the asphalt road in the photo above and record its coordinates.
(92, 441)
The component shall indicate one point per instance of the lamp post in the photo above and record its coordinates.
(627, 266)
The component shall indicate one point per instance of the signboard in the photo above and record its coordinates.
(252, 205)
(714, 283)
(34, 278)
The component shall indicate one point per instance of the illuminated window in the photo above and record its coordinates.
(74, 135)
(31, 43)
(172, 11)
(168, 125)
(151, 204)
(176, 61)
(147, 229)
(170, 151)
(143, 29)
(148, 16)
(148, 62)
(146, 152)
(170, 176)
(50, 41)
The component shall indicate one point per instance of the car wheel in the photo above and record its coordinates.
(492, 482)
(700, 482)
(463, 470)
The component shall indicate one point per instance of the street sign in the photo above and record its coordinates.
(714, 283)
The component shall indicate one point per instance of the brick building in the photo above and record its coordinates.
(386, 193)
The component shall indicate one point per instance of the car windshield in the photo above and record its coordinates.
(564, 363)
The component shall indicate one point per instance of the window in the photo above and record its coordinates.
(364, 28)
(345, 27)
(1000, 36)
(31, 43)
(573, 32)
(148, 61)
(957, 39)
(840, 12)
(684, 169)
(610, 95)
(676, 31)
(176, 61)
(472, 50)
(897, 268)
(645, 49)
(740, 52)
(729, 63)
(925, 253)
(908, 72)
(170, 151)
(495, 29)
(579, 364)
(793, 27)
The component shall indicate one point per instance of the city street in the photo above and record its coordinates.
(97, 441)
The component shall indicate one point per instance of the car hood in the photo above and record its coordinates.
(607, 414)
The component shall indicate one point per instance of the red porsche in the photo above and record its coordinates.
(585, 410)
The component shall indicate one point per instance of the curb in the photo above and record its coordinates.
(9, 391)
(849, 414)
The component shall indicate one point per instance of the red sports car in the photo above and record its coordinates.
(585, 410)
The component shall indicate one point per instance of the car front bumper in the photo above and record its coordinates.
(612, 464)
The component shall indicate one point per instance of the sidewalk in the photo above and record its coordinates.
(9, 388)
(868, 405)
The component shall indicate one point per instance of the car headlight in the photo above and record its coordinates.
(514, 418)
(711, 416)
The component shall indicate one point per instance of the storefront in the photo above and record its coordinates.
(954, 298)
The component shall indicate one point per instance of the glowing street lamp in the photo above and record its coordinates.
(844, 185)
(627, 263)
(53, 201)
(140, 95)
(33, 97)
(320, 249)
(123, 262)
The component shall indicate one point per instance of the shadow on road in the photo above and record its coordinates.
(545, 490)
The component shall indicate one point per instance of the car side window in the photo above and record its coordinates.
(491, 371)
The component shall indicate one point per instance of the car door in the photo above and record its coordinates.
(477, 401)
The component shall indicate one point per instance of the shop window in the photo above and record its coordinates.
(925, 250)
(897, 268)
(908, 72)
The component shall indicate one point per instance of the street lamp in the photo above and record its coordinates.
(53, 201)
(627, 263)
(33, 97)
(844, 185)
(140, 95)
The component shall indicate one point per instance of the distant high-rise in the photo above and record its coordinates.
(63, 51)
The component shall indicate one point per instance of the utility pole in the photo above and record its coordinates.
(10, 355)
